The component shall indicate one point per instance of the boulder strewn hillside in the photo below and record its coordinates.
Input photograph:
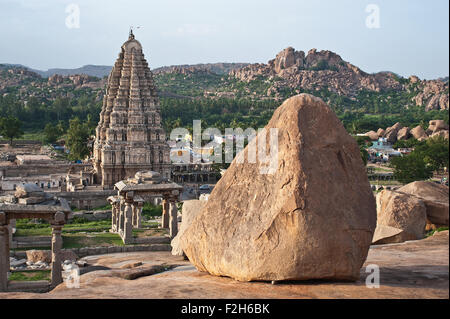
(327, 70)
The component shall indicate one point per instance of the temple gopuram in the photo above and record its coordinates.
(129, 135)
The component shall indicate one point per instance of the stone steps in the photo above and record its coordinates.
(40, 286)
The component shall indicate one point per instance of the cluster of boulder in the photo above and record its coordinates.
(24, 264)
(316, 69)
(397, 132)
(41, 260)
(408, 212)
(433, 94)
(313, 217)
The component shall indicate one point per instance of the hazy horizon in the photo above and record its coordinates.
(412, 38)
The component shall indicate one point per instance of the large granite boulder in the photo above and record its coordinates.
(419, 133)
(436, 126)
(372, 135)
(435, 197)
(443, 133)
(313, 217)
(381, 132)
(190, 209)
(403, 134)
(392, 131)
(35, 256)
(400, 211)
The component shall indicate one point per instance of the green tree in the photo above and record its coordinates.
(52, 132)
(435, 152)
(77, 139)
(363, 143)
(411, 168)
(11, 127)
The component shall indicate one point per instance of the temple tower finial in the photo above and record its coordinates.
(131, 36)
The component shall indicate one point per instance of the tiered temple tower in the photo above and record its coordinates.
(129, 135)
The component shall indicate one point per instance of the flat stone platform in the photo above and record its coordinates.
(414, 269)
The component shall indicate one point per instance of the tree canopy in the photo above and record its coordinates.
(10, 127)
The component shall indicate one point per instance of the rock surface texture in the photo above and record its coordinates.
(411, 270)
(313, 218)
(435, 198)
(403, 212)
(190, 209)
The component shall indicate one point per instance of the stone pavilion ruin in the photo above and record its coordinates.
(133, 193)
(31, 202)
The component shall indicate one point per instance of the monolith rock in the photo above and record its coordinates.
(306, 213)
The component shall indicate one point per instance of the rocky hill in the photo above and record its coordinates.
(322, 73)
(216, 68)
(319, 70)
(23, 84)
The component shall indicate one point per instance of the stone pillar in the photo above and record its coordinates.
(120, 218)
(128, 224)
(57, 225)
(134, 215)
(165, 214)
(173, 230)
(113, 217)
(12, 225)
(139, 215)
(4, 253)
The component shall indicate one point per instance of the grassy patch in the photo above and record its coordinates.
(30, 275)
(91, 240)
(33, 232)
(431, 232)
(44, 229)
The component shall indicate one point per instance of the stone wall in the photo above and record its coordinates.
(86, 199)
(90, 251)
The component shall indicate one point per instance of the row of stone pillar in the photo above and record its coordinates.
(126, 216)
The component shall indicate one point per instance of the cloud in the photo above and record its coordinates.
(192, 30)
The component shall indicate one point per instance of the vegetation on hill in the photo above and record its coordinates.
(219, 100)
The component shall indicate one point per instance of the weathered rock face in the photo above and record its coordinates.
(380, 132)
(313, 218)
(443, 133)
(432, 94)
(190, 209)
(372, 135)
(419, 133)
(392, 131)
(436, 126)
(287, 58)
(403, 212)
(35, 256)
(403, 134)
(435, 197)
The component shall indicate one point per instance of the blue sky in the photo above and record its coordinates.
(413, 37)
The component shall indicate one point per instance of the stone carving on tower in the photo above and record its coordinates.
(129, 135)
